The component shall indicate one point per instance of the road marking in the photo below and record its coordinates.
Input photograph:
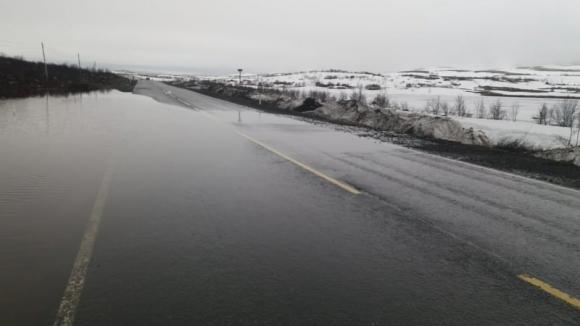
(332, 180)
(72, 293)
(551, 290)
(337, 183)
(182, 101)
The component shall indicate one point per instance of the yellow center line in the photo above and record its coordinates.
(312, 170)
(337, 183)
(72, 293)
(551, 290)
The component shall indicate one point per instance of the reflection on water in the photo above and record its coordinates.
(44, 137)
(52, 154)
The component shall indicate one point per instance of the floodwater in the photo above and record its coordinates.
(52, 154)
(203, 227)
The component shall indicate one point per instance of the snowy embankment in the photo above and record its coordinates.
(548, 142)
(530, 135)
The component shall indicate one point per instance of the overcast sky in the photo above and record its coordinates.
(272, 35)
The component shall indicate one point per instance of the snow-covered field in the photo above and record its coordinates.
(528, 87)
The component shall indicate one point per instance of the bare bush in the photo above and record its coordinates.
(353, 96)
(542, 117)
(358, 95)
(362, 99)
(342, 96)
(515, 111)
(480, 110)
(445, 108)
(433, 105)
(382, 101)
(291, 93)
(496, 111)
(460, 107)
(564, 113)
(321, 96)
(573, 120)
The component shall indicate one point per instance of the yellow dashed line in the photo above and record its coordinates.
(551, 290)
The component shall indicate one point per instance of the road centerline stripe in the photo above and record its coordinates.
(312, 170)
(551, 290)
(332, 180)
(72, 293)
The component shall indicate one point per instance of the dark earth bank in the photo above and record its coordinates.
(20, 78)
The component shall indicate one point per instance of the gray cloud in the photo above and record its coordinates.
(263, 35)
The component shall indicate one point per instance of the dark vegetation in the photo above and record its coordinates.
(509, 89)
(509, 160)
(373, 87)
(485, 90)
(240, 95)
(333, 85)
(508, 157)
(21, 78)
(540, 68)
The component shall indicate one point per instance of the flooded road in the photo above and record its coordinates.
(204, 226)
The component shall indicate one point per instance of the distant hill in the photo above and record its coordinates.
(21, 78)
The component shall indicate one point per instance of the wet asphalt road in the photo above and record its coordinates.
(201, 226)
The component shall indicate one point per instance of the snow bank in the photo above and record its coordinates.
(416, 124)
(536, 136)
(569, 155)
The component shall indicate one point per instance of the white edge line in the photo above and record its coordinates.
(72, 293)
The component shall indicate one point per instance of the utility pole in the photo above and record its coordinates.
(80, 70)
(240, 78)
(44, 59)
(260, 90)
